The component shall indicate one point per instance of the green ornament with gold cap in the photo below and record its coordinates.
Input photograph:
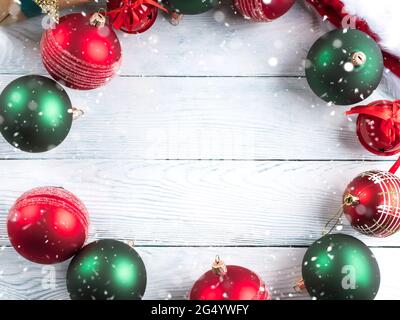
(35, 113)
(106, 270)
(344, 66)
(340, 267)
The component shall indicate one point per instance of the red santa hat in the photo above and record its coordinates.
(378, 19)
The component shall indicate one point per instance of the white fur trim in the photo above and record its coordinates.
(383, 18)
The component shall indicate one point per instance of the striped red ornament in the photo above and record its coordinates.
(79, 53)
(47, 225)
(263, 10)
(371, 203)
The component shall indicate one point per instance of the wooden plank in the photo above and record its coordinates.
(218, 42)
(172, 272)
(205, 118)
(207, 203)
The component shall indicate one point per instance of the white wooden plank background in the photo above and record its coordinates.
(201, 146)
(202, 203)
(172, 272)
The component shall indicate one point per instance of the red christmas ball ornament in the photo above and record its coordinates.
(133, 16)
(227, 282)
(81, 52)
(378, 126)
(263, 10)
(371, 202)
(47, 225)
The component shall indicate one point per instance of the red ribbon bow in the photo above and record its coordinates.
(126, 14)
(386, 110)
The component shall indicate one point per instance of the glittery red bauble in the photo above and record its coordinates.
(47, 225)
(132, 16)
(263, 10)
(79, 54)
(237, 283)
(371, 202)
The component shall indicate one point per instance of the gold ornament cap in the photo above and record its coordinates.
(299, 286)
(350, 200)
(98, 20)
(358, 58)
(219, 267)
(176, 18)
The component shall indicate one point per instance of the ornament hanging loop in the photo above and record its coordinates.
(219, 267)
(336, 220)
(358, 58)
(98, 19)
(76, 113)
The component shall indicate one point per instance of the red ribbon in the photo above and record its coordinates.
(386, 110)
(126, 14)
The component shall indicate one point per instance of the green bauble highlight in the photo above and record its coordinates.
(340, 267)
(190, 6)
(106, 270)
(344, 66)
(35, 113)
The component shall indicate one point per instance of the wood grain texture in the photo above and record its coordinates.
(207, 203)
(205, 118)
(172, 271)
(215, 43)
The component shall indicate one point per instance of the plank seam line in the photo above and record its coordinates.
(232, 246)
(289, 76)
(205, 159)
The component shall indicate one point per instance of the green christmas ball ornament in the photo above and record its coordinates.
(35, 113)
(340, 267)
(344, 66)
(106, 270)
(190, 6)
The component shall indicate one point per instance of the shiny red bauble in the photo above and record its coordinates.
(132, 16)
(47, 225)
(80, 52)
(371, 203)
(372, 137)
(263, 10)
(229, 283)
(378, 126)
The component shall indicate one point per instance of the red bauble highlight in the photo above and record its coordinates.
(235, 283)
(47, 225)
(378, 126)
(262, 10)
(371, 203)
(132, 16)
(79, 54)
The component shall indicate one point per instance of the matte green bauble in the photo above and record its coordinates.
(340, 267)
(344, 66)
(35, 113)
(106, 270)
(190, 6)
